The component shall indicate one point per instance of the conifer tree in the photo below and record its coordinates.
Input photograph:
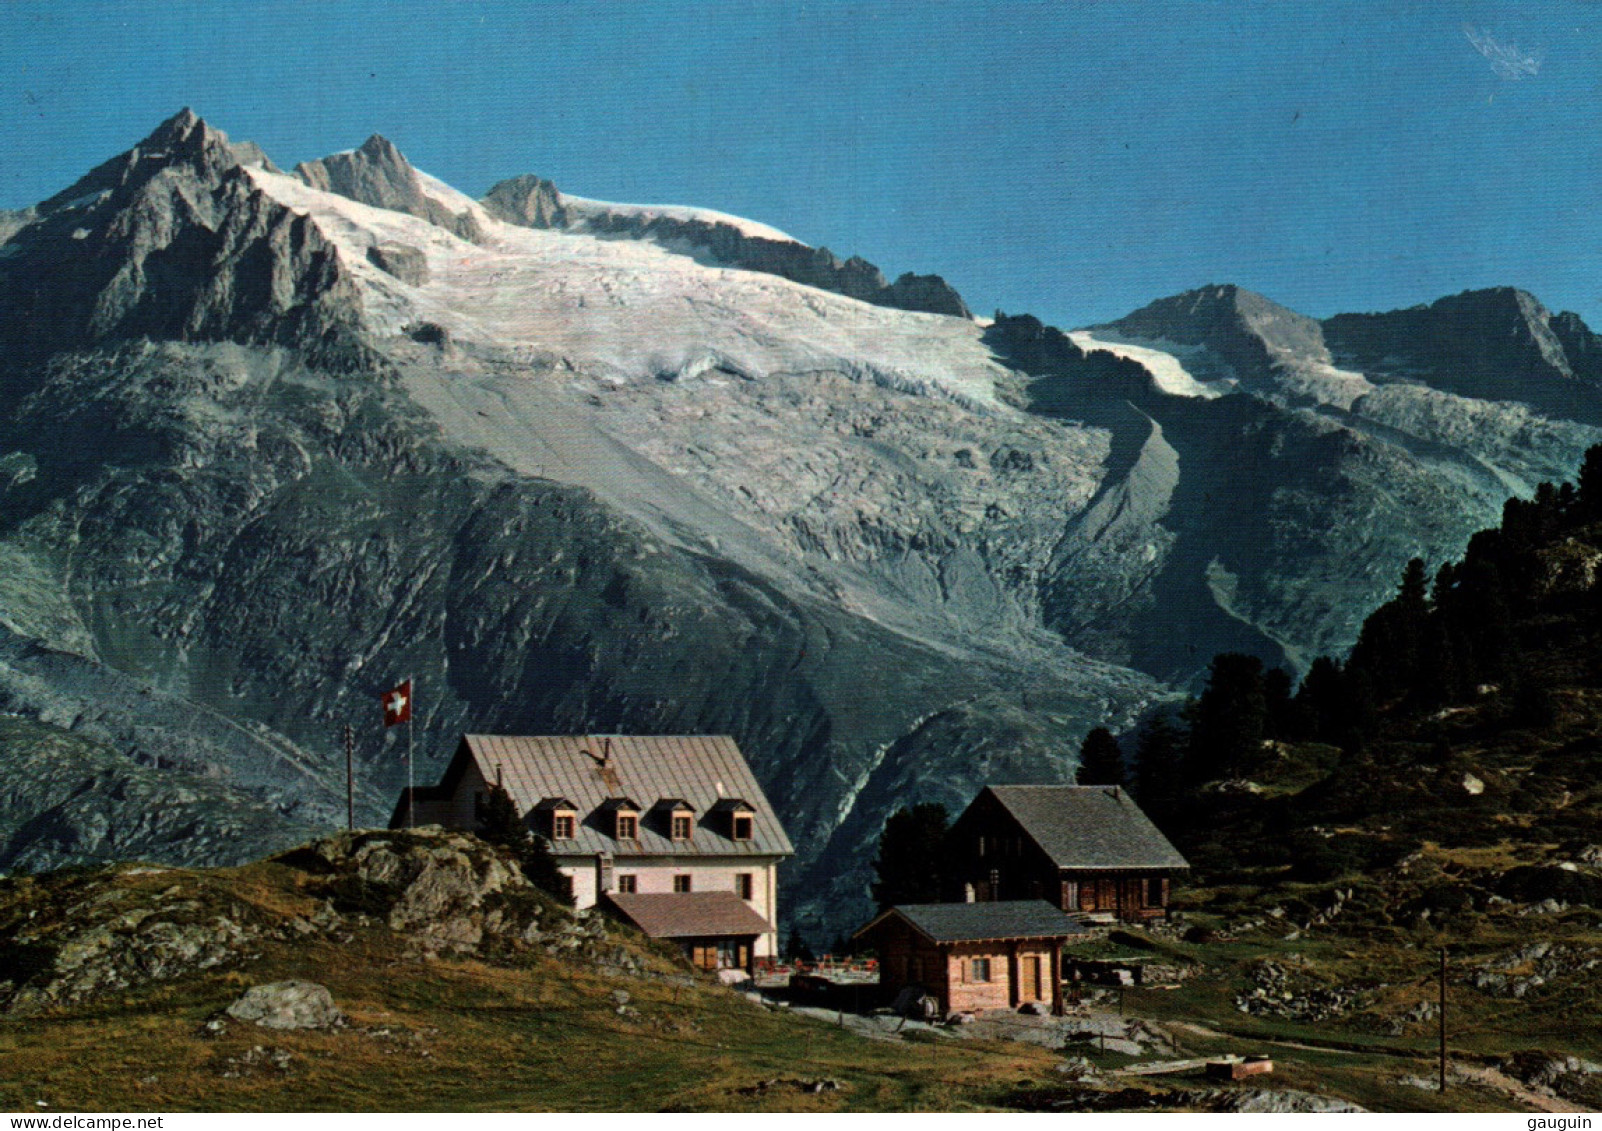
(912, 856)
(1229, 720)
(1101, 762)
(501, 824)
(1159, 769)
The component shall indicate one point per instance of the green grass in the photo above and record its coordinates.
(533, 1033)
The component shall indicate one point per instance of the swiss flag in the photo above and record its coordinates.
(398, 704)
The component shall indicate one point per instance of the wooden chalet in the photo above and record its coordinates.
(631, 815)
(974, 956)
(1085, 849)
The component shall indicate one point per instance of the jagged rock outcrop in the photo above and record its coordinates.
(172, 240)
(527, 200)
(379, 174)
(1496, 344)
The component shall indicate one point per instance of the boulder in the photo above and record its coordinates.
(288, 1005)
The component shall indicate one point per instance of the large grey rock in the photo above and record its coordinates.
(288, 1005)
(406, 263)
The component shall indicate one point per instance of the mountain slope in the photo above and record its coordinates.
(275, 441)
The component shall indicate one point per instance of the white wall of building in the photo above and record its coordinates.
(654, 876)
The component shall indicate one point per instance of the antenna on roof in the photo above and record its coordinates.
(606, 751)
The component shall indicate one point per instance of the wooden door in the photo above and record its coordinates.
(1029, 978)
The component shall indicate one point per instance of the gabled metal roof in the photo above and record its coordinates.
(1090, 827)
(698, 770)
(976, 922)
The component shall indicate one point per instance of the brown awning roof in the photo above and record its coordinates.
(690, 914)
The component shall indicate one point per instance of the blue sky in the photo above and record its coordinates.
(1071, 159)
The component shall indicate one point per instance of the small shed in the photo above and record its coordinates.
(973, 956)
(716, 929)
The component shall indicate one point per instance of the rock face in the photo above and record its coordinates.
(529, 201)
(288, 1005)
(1498, 344)
(378, 174)
(171, 240)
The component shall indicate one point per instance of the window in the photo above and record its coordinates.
(628, 885)
(979, 970)
(744, 884)
(742, 826)
(681, 883)
(562, 826)
(681, 827)
(628, 827)
(1154, 891)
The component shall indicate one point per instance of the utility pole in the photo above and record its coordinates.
(1443, 1020)
(350, 777)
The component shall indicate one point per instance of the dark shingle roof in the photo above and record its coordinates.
(691, 770)
(1088, 826)
(700, 914)
(1003, 919)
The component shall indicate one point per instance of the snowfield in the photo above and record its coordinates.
(634, 309)
(1165, 367)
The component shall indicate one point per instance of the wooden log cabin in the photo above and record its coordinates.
(1086, 849)
(974, 956)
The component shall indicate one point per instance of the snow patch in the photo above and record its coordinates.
(1165, 368)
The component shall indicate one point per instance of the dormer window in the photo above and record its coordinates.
(557, 818)
(677, 818)
(736, 818)
(620, 816)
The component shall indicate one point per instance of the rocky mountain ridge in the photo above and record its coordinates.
(271, 446)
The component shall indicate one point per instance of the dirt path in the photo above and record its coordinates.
(1203, 1031)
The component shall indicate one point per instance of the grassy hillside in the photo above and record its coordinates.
(587, 1016)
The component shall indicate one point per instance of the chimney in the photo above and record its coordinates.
(967, 893)
(498, 784)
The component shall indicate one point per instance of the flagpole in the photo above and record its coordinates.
(411, 789)
(350, 777)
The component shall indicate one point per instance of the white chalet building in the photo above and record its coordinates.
(634, 815)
